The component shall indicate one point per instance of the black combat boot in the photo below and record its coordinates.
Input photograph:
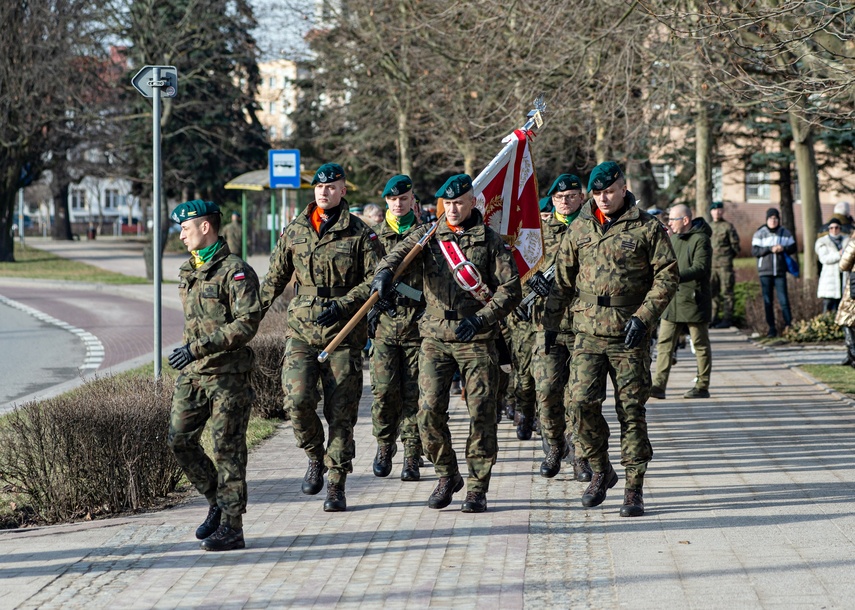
(552, 464)
(445, 489)
(475, 502)
(224, 539)
(582, 470)
(335, 502)
(849, 338)
(411, 469)
(313, 481)
(523, 427)
(210, 524)
(633, 503)
(383, 459)
(600, 483)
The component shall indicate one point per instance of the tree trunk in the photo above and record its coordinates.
(7, 240)
(61, 229)
(640, 174)
(703, 161)
(808, 190)
(601, 145)
(785, 186)
(404, 160)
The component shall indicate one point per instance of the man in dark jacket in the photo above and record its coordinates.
(769, 245)
(692, 304)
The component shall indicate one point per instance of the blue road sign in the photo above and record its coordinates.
(284, 168)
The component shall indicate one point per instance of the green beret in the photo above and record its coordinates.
(716, 205)
(546, 205)
(398, 185)
(194, 209)
(328, 172)
(604, 175)
(565, 182)
(455, 186)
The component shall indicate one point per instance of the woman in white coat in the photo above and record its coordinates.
(828, 250)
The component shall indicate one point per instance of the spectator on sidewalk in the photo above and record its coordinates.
(846, 312)
(828, 250)
(691, 306)
(373, 215)
(841, 214)
(769, 245)
(725, 245)
(233, 233)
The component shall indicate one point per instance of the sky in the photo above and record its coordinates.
(281, 27)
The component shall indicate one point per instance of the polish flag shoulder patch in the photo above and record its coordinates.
(240, 275)
(372, 236)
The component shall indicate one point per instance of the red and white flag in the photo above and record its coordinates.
(507, 196)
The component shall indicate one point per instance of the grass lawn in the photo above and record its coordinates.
(258, 430)
(841, 378)
(37, 264)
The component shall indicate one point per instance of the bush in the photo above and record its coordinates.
(743, 292)
(266, 376)
(804, 305)
(819, 328)
(98, 450)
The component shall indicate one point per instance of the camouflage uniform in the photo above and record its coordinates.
(553, 371)
(522, 340)
(336, 266)
(394, 361)
(725, 245)
(624, 269)
(221, 315)
(233, 234)
(441, 352)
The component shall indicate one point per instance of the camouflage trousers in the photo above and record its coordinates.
(722, 282)
(552, 373)
(479, 371)
(501, 392)
(341, 380)
(224, 402)
(524, 385)
(395, 385)
(669, 335)
(595, 358)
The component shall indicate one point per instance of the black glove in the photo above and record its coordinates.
(331, 314)
(549, 339)
(539, 284)
(468, 328)
(181, 357)
(373, 318)
(635, 331)
(382, 283)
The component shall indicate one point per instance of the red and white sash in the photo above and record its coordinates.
(464, 272)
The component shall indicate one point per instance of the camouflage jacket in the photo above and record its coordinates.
(725, 244)
(343, 261)
(233, 234)
(484, 248)
(632, 259)
(221, 313)
(404, 326)
(553, 232)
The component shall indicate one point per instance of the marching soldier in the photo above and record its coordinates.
(395, 344)
(725, 247)
(458, 329)
(222, 311)
(522, 339)
(552, 368)
(618, 263)
(331, 254)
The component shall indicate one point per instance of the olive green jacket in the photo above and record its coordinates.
(631, 259)
(222, 311)
(553, 232)
(484, 248)
(693, 301)
(342, 260)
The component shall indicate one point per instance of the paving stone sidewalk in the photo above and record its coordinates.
(749, 505)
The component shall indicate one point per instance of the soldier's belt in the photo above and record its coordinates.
(407, 302)
(322, 291)
(609, 301)
(450, 314)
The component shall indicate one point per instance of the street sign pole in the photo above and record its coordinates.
(156, 238)
(156, 82)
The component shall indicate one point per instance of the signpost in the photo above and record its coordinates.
(284, 168)
(156, 82)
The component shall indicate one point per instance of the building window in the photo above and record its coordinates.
(271, 82)
(757, 188)
(271, 107)
(112, 199)
(663, 174)
(717, 184)
(272, 132)
(77, 198)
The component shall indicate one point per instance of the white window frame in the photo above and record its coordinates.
(663, 174)
(717, 183)
(112, 199)
(758, 187)
(77, 195)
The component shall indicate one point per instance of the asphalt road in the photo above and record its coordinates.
(35, 355)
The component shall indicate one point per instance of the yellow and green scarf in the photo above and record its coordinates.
(402, 224)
